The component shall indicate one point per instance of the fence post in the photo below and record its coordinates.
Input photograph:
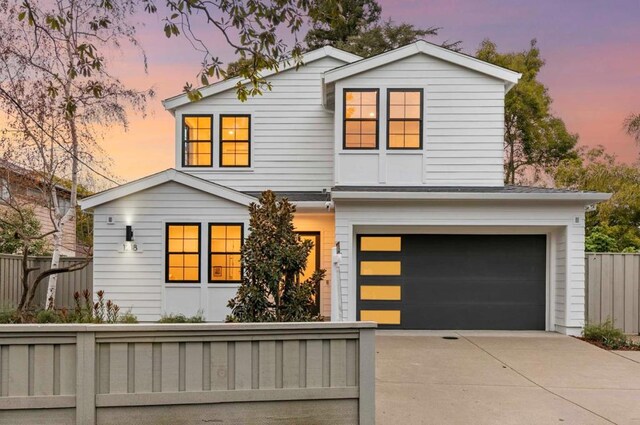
(367, 353)
(85, 378)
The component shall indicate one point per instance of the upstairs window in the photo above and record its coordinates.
(183, 253)
(235, 140)
(360, 125)
(197, 139)
(404, 115)
(225, 245)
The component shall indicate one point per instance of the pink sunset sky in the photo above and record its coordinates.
(591, 48)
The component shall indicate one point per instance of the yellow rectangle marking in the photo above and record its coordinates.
(382, 317)
(380, 243)
(380, 268)
(380, 292)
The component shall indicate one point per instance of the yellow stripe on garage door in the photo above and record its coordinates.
(380, 268)
(380, 243)
(382, 317)
(380, 292)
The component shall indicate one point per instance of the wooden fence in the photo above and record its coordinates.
(612, 282)
(68, 283)
(267, 373)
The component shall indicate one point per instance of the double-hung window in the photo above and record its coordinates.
(235, 140)
(183, 252)
(360, 126)
(225, 245)
(197, 141)
(404, 119)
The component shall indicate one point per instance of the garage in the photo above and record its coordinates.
(438, 281)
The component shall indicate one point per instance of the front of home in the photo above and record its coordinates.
(395, 163)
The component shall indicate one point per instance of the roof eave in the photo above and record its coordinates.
(584, 197)
(170, 104)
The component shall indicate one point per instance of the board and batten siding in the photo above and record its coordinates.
(563, 224)
(291, 133)
(135, 280)
(463, 127)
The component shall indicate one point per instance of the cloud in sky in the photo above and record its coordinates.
(591, 48)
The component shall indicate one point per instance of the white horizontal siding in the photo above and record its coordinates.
(463, 125)
(291, 133)
(135, 281)
(557, 220)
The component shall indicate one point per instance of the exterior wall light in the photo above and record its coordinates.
(129, 244)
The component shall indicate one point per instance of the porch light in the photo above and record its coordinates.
(129, 244)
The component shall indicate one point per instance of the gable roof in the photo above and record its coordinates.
(509, 77)
(170, 175)
(174, 102)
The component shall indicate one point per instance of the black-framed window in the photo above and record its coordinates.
(235, 140)
(360, 126)
(404, 118)
(225, 246)
(197, 140)
(182, 252)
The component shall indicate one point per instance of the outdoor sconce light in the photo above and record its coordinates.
(129, 244)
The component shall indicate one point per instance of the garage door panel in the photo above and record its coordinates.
(465, 281)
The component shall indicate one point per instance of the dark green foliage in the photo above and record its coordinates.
(181, 318)
(273, 257)
(18, 228)
(8, 316)
(355, 16)
(614, 225)
(608, 336)
(47, 316)
(536, 141)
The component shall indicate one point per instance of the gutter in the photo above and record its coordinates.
(586, 197)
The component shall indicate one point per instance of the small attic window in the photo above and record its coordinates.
(197, 141)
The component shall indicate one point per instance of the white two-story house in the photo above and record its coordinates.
(395, 163)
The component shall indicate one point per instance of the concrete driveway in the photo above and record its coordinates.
(502, 378)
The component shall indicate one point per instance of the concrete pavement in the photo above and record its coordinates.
(502, 378)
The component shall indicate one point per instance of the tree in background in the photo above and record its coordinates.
(613, 226)
(58, 94)
(535, 141)
(355, 17)
(273, 259)
(632, 126)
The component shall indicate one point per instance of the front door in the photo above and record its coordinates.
(313, 263)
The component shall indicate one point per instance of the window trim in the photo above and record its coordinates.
(184, 142)
(209, 252)
(420, 120)
(344, 118)
(220, 141)
(166, 252)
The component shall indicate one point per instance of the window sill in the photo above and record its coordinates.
(217, 169)
(404, 151)
(182, 285)
(359, 152)
(224, 285)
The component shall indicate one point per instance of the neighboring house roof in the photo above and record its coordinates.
(34, 176)
(466, 193)
(174, 102)
(162, 177)
(509, 77)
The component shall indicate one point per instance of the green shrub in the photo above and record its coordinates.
(606, 334)
(9, 316)
(128, 318)
(181, 318)
(48, 316)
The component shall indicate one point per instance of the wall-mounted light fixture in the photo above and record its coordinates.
(129, 244)
(129, 234)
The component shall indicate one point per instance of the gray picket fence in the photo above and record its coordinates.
(612, 282)
(68, 283)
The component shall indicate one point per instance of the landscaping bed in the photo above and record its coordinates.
(608, 337)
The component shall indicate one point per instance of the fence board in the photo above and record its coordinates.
(68, 283)
(612, 289)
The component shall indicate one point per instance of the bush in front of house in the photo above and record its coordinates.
(607, 336)
(274, 258)
(84, 311)
(181, 318)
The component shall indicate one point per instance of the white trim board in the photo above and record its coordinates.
(164, 177)
(509, 77)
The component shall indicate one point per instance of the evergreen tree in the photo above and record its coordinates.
(273, 259)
